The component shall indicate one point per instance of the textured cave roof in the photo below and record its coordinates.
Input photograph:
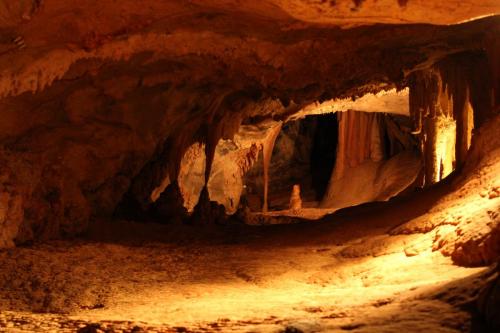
(108, 14)
(298, 42)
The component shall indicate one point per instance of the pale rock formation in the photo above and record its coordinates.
(359, 141)
(267, 153)
(232, 159)
(391, 101)
(192, 175)
(465, 222)
(446, 103)
(295, 200)
(363, 172)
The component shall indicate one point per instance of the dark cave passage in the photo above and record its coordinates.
(305, 155)
(323, 152)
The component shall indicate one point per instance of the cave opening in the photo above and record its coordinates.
(269, 166)
(305, 154)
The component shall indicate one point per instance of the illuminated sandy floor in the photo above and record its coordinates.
(356, 270)
(345, 274)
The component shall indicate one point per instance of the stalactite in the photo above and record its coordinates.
(363, 170)
(359, 140)
(267, 151)
(463, 114)
(432, 110)
(465, 76)
(446, 103)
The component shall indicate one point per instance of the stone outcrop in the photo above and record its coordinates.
(295, 200)
(466, 223)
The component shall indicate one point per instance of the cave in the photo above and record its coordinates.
(249, 166)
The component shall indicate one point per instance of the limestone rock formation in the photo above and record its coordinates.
(466, 222)
(295, 200)
(364, 171)
(148, 149)
(100, 118)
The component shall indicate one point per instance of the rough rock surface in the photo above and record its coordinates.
(343, 273)
(119, 112)
(96, 117)
(467, 223)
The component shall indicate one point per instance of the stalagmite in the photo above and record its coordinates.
(295, 200)
(267, 153)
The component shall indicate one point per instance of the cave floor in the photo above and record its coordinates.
(342, 273)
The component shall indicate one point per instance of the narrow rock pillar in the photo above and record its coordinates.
(267, 152)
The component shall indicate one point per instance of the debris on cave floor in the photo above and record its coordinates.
(274, 217)
(270, 281)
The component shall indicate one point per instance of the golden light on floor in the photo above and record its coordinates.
(316, 286)
(372, 272)
(306, 285)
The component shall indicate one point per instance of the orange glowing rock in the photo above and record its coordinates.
(295, 200)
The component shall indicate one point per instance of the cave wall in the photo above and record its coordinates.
(96, 118)
(82, 144)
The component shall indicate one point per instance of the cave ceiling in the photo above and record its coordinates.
(294, 50)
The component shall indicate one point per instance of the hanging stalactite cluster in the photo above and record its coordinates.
(446, 102)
